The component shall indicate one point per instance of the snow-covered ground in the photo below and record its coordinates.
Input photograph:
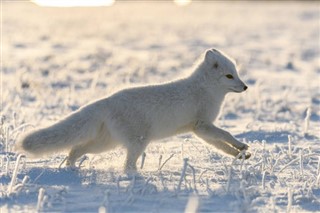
(54, 60)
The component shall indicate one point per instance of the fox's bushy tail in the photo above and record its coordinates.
(77, 128)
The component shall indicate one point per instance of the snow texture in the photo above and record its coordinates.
(56, 59)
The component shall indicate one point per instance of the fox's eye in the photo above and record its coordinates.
(215, 65)
(229, 76)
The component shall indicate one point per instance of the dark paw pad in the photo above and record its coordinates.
(247, 155)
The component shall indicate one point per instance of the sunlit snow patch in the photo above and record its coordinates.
(72, 3)
(182, 2)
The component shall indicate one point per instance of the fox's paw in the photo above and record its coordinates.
(246, 155)
(70, 164)
(244, 147)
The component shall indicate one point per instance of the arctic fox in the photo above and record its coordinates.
(134, 117)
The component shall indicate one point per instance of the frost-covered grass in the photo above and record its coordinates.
(55, 60)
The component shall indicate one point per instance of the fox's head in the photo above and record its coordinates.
(221, 69)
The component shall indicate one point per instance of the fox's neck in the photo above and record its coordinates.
(209, 95)
(197, 73)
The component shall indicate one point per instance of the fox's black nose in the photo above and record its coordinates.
(245, 88)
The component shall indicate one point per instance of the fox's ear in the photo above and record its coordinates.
(211, 55)
(211, 58)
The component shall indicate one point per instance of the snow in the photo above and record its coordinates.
(56, 59)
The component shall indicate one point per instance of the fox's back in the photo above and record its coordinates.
(161, 110)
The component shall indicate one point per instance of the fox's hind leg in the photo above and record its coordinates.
(134, 150)
(76, 152)
(101, 143)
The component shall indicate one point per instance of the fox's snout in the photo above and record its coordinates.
(244, 88)
(239, 88)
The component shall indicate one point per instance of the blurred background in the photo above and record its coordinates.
(59, 55)
(62, 52)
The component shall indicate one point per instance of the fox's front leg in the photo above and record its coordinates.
(219, 138)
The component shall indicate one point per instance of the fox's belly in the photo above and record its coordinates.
(169, 126)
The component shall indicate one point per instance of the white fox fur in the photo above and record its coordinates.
(134, 117)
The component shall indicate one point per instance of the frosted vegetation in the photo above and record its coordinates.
(55, 60)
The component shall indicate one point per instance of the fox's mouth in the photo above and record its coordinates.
(239, 89)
